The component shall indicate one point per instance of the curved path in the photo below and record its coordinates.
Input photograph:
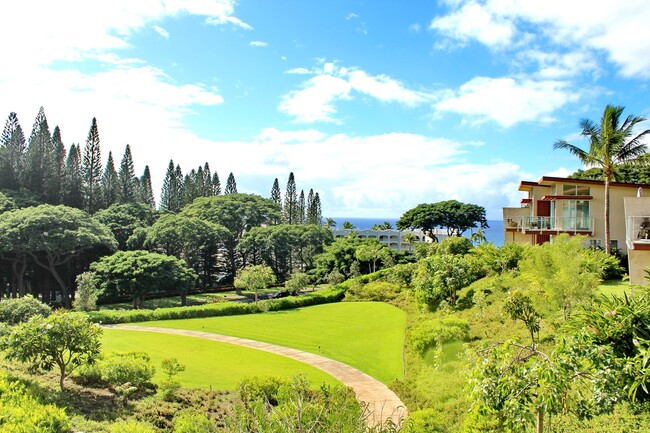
(383, 404)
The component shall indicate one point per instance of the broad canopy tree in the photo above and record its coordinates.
(51, 237)
(453, 215)
(139, 273)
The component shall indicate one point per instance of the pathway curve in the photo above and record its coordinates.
(382, 402)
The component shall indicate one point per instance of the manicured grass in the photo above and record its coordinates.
(613, 287)
(208, 363)
(365, 335)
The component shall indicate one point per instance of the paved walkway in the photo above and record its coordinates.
(383, 402)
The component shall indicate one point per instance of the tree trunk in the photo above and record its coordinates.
(607, 234)
(540, 421)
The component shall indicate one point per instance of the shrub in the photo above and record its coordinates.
(216, 309)
(17, 310)
(379, 291)
(425, 421)
(432, 333)
(22, 412)
(260, 388)
(170, 386)
(130, 367)
(85, 298)
(455, 245)
(193, 422)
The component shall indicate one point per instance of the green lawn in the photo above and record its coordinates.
(366, 335)
(209, 363)
(613, 287)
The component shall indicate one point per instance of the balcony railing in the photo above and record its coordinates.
(559, 225)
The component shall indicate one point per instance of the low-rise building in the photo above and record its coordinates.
(395, 239)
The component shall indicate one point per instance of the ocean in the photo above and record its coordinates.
(493, 234)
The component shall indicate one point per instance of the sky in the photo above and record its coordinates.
(379, 105)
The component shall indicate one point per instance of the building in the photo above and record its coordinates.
(555, 205)
(637, 217)
(393, 238)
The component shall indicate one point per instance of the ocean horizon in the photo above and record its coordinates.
(493, 234)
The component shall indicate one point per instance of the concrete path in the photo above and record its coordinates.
(381, 401)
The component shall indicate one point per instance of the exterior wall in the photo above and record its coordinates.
(638, 261)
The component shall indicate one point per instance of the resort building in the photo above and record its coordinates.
(395, 239)
(555, 205)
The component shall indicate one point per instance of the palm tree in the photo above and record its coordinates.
(329, 223)
(611, 144)
(478, 237)
(347, 225)
(410, 239)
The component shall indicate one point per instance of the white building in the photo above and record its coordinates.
(395, 239)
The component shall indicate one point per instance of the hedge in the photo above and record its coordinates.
(218, 309)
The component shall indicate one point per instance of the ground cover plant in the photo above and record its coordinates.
(366, 335)
(208, 364)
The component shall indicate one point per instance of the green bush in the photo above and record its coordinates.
(190, 421)
(433, 333)
(217, 309)
(378, 291)
(455, 245)
(22, 412)
(425, 421)
(130, 367)
(131, 426)
(263, 389)
(17, 310)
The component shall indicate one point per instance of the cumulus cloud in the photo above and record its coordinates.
(618, 29)
(316, 100)
(507, 101)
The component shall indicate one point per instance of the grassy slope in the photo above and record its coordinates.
(208, 363)
(366, 335)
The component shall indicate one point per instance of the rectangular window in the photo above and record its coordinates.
(575, 215)
(613, 244)
(575, 190)
(595, 243)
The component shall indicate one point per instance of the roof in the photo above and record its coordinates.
(547, 181)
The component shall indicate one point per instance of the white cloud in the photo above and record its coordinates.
(473, 21)
(258, 44)
(298, 71)
(507, 101)
(351, 16)
(315, 101)
(162, 32)
(618, 29)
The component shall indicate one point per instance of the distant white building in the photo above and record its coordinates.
(393, 238)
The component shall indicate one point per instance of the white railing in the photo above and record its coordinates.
(563, 224)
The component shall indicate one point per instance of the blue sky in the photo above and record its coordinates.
(378, 105)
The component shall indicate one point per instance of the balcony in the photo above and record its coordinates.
(549, 225)
(638, 233)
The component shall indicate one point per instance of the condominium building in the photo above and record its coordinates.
(555, 205)
(395, 239)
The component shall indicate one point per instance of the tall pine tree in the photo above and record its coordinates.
(58, 168)
(311, 211)
(290, 210)
(72, 185)
(168, 192)
(126, 178)
(301, 208)
(38, 157)
(216, 184)
(145, 191)
(110, 184)
(231, 185)
(276, 194)
(12, 153)
(91, 170)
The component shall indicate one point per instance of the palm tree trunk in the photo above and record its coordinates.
(607, 234)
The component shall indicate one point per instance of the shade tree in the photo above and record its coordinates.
(454, 216)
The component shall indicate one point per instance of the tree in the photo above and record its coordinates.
(145, 191)
(611, 144)
(478, 237)
(231, 185)
(410, 239)
(330, 223)
(216, 184)
(297, 282)
(372, 251)
(347, 225)
(12, 155)
(52, 236)
(110, 184)
(126, 178)
(139, 273)
(38, 157)
(189, 238)
(238, 213)
(65, 340)
(57, 168)
(455, 216)
(255, 278)
(276, 195)
(290, 209)
(302, 208)
(170, 198)
(72, 186)
(440, 278)
(124, 218)
(87, 293)
(91, 170)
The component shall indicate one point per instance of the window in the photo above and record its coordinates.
(575, 190)
(613, 244)
(594, 243)
(575, 215)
